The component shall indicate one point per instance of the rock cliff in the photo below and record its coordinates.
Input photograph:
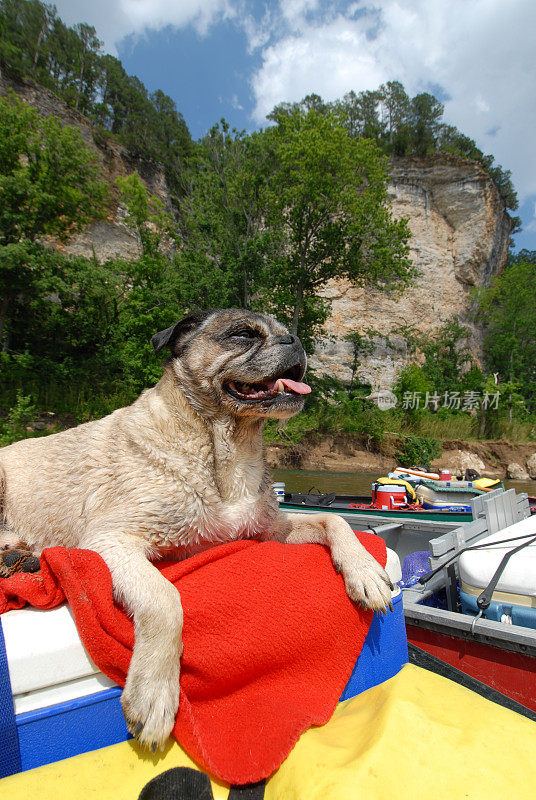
(460, 234)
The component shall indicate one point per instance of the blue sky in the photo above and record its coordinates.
(184, 65)
(238, 58)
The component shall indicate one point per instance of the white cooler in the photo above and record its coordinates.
(514, 598)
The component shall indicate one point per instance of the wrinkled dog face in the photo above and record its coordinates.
(244, 363)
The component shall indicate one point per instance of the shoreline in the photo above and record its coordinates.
(345, 453)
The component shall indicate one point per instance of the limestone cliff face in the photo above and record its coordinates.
(109, 237)
(460, 234)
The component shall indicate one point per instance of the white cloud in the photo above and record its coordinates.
(293, 11)
(115, 19)
(481, 52)
(531, 226)
(327, 60)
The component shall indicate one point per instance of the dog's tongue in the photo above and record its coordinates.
(295, 386)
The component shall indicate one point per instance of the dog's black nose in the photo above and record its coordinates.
(288, 339)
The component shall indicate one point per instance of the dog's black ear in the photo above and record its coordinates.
(171, 336)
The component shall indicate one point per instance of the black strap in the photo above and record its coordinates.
(429, 575)
(484, 598)
(250, 791)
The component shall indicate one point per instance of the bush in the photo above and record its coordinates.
(14, 427)
(418, 450)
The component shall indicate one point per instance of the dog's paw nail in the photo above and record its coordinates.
(338, 567)
(391, 606)
(138, 729)
(153, 747)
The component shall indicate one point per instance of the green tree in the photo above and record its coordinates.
(426, 114)
(329, 198)
(443, 358)
(49, 186)
(149, 126)
(446, 355)
(507, 307)
(227, 241)
(396, 109)
(154, 288)
(49, 180)
(362, 345)
(79, 328)
(173, 145)
(359, 114)
(411, 387)
(87, 65)
(146, 215)
(24, 27)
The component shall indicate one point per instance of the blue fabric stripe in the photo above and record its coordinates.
(9, 741)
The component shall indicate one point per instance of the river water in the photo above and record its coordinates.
(354, 482)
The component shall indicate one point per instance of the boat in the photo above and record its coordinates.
(410, 493)
(443, 583)
(358, 746)
(374, 741)
(405, 697)
(361, 505)
(55, 703)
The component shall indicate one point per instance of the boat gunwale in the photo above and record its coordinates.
(425, 514)
(514, 638)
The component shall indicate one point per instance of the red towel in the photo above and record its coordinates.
(270, 640)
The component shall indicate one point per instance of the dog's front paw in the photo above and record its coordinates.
(150, 705)
(367, 582)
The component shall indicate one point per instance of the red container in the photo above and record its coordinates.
(389, 496)
(445, 475)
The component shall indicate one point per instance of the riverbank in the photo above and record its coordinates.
(347, 453)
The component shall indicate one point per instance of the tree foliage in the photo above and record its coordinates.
(49, 181)
(49, 186)
(329, 198)
(226, 239)
(403, 126)
(78, 328)
(36, 44)
(271, 217)
(507, 309)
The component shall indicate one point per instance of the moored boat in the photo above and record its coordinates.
(361, 505)
(403, 493)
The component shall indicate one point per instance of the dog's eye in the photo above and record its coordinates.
(246, 333)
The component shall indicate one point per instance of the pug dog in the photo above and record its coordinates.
(180, 470)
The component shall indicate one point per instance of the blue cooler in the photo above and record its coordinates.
(64, 706)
